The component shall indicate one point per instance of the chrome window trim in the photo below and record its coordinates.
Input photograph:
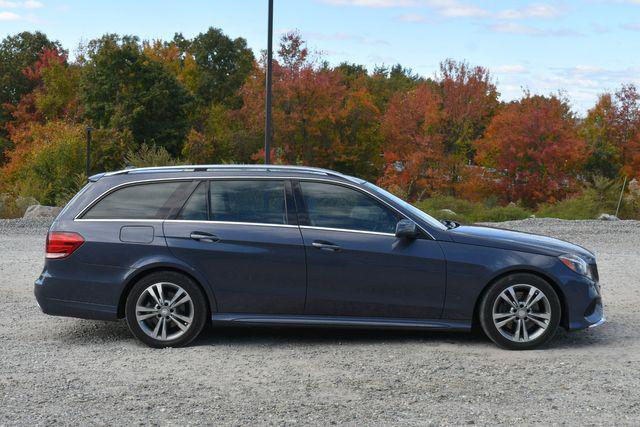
(240, 177)
(117, 220)
(260, 224)
(346, 230)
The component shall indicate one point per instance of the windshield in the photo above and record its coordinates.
(409, 207)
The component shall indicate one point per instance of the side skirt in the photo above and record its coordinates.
(338, 321)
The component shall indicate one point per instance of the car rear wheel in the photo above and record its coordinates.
(520, 312)
(166, 309)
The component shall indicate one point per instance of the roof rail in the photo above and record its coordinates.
(253, 168)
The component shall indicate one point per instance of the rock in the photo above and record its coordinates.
(39, 211)
(634, 188)
(448, 212)
(607, 217)
(11, 206)
(23, 203)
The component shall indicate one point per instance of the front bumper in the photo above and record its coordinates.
(584, 304)
(602, 321)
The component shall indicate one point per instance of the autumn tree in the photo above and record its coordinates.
(17, 53)
(469, 101)
(413, 151)
(123, 89)
(597, 130)
(533, 145)
(611, 131)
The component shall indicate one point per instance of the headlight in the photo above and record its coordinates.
(577, 264)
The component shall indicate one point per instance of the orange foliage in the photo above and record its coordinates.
(534, 146)
(413, 153)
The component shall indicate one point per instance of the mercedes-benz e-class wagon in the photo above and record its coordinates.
(172, 248)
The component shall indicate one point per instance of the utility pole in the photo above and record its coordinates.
(88, 158)
(267, 121)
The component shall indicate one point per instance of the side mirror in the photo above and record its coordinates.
(406, 229)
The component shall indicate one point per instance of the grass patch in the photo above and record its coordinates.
(588, 205)
(470, 212)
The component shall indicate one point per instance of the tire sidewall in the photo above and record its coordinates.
(194, 291)
(486, 310)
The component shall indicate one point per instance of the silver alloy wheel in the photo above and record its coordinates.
(521, 313)
(164, 311)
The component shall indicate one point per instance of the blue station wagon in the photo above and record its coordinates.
(172, 248)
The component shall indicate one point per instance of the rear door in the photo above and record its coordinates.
(355, 264)
(243, 234)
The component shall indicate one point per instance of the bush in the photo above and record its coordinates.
(471, 212)
(601, 197)
(584, 206)
(14, 207)
(52, 154)
(147, 156)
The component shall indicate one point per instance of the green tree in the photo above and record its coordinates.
(122, 88)
(223, 64)
(597, 131)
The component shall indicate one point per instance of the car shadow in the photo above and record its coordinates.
(86, 332)
(291, 335)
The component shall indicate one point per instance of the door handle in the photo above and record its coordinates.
(325, 246)
(204, 237)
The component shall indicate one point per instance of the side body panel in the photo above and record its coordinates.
(94, 276)
(471, 268)
(252, 268)
(374, 275)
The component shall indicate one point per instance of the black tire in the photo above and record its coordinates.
(197, 308)
(520, 281)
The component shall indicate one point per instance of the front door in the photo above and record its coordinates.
(239, 234)
(355, 264)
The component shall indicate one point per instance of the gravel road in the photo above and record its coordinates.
(71, 371)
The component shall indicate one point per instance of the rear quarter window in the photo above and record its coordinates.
(139, 201)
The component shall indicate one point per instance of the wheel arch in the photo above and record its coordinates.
(142, 272)
(475, 322)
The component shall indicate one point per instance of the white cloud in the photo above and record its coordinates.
(536, 10)
(528, 30)
(412, 17)
(9, 16)
(32, 4)
(632, 26)
(457, 9)
(345, 37)
(373, 3)
(512, 28)
(27, 4)
(511, 69)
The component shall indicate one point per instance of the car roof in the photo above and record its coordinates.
(205, 171)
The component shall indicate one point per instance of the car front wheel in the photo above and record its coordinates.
(166, 309)
(520, 312)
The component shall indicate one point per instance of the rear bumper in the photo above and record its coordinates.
(50, 295)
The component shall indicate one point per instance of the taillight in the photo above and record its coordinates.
(61, 244)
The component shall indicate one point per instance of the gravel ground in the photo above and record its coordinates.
(70, 371)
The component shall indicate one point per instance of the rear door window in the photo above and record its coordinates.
(252, 201)
(141, 201)
(196, 207)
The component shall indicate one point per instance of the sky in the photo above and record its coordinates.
(579, 48)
